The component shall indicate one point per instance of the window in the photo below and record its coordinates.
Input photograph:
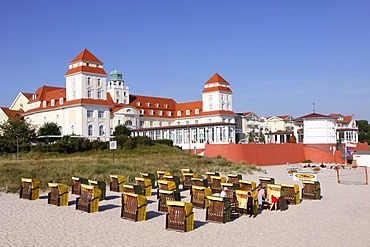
(99, 82)
(141, 111)
(138, 103)
(124, 94)
(178, 113)
(53, 102)
(196, 111)
(160, 124)
(166, 105)
(90, 113)
(169, 113)
(141, 124)
(99, 95)
(151, 123)
(128, 111)
(151, 112)
(90, 130)
(187, 112)
(187, 122)
(100, 114)
(101, 130)
(87, 64)
(157, 105)
(119, 122)
(88, 81)
(117, 93)
(160, 113)
(196, 121)
(57, 118)
(128, 123)
(147, 104)
(89, 93)
(44, 119)
(44, 103)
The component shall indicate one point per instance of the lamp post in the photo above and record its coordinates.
(17, 148)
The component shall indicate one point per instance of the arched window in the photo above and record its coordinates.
(72, 129)
(89, 130)
(128, 123)
(101, 130)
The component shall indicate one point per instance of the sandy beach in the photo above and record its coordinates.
(340, 218)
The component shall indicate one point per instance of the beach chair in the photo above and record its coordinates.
(242, 199)
(199, 182)
(175, 179)
(149, 176)
(311, 190)
(89, 199)
(247, 185)
(216, 183)
(116, 183)
(199, 196)
(145, 184)
(165, 185)
(209, 174)
(100, 185)
(218, 210)
(58, 194)
(230, 193)
(264, 181)
(184, 170)
(167, 195)
(161, 174)
(133, 206)
(30, 189)
(132, 188)
(76, 184)
(186, 183)
(180, 216)
(291, 193)
(273, 189)
(234, 178)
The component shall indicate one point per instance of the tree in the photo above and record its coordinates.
(250, 137)
(292, 139)
(16, 130)
(49, 129)
(363, 131)
(121, 130)
(262, 138)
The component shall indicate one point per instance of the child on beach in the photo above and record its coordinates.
(250, 204)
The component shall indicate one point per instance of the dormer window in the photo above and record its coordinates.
(52, 102)
(44, 104)
(169, 113)
(87, 64)
(178, 113)
(196, 111)
(147, 104)
(187, 112)
(160, 113)
(166, 105)
(151, 112)
(141, 111)
(34, 96)
(156, 104)
(138, 103)
(61, 101)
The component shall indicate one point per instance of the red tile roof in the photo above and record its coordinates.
(41, 91)
(341, 118)
(217, 78)
(217, 88)
(27, 95)
(9, 113)
(86, 69)
(315, 115)
(86, 56)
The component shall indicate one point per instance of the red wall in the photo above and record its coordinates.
(277, 154)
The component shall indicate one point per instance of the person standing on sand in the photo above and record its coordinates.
(250, 204)
(260, 195)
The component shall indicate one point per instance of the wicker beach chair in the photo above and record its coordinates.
(149, 176)
(133, 206)
(89, 199)
(180, 216)
(218, 210)
(30, 189)
(175, 179)
(247, 185)
(199, 182)
(145, 184)
(311, 190)
(167, 195)
(76, 184)
(186, 183)
(234, 178)
(58, 194)
(183, 171)
(100, 185)
(230, 193)
(116, 183)
(291, 193)
(216, 183)
(242, 199)
(165, 185)
(132, 188)
(209, 174)
(273, 189)
(264, 181)
(161, 174)
(199, 196)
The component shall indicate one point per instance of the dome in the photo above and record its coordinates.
(115, 75)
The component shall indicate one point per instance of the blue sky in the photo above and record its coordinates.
(278, 56)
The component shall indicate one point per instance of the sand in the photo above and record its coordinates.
(340, 218)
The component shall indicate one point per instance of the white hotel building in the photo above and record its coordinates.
(92, 105)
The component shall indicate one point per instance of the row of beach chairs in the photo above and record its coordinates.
(180, 214)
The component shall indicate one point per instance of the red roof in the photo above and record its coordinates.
(9, 113)
(41, 91)
(86, 69)
(218, 88)
(86, 56)
(315, 115)
(217, 78)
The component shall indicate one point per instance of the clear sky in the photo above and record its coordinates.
(278, 56)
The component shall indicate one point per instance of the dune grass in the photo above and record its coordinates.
(98, 165)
